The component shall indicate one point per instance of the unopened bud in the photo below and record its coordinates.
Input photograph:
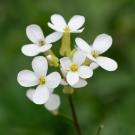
(53, 60)
(68, 90)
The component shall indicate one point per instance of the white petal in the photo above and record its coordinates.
(58, 21)
(64, 72)
(30, 50)
(34, 33)
(52, 26)
(53, 80)
(45, 48)
(85, 72)
(41, 95)
(107, 63)
(78, 31)
(91, 57)
(72, 77)
(81, 83)
(30, 94)
(53, 37)
(93, 66)
(40, 65)
(63, 82)
(84, 46)
(79, 57)
(27, 78)
(51, 90)
(76, 22)
(102, 43)
(65, 63)
(53, 103)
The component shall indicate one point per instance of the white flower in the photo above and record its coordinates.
(51, 104)
(75, 69)
(45, 82)
(81, 83)
(93, 65)
(101, 44)
(59, 24)
(39, 42)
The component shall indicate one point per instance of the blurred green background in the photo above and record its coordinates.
(109, 98)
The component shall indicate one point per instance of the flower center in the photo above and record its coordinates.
(67, 29)
(94, 53)
(42, 80)
(74, 67)
(41, 42)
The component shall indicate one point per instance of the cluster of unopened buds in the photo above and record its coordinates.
(73, 68)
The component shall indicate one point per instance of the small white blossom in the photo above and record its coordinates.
(46, 83)
(75, 69)
(51, 104)
(74, 25)
(100, 45)
(81, 83)
(40, 43)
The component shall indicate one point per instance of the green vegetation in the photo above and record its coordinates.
(109, 98)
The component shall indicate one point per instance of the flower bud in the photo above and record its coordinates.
(52, 59)
(68, 90)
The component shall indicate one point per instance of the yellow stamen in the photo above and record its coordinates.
(74, 67)
(41, 42)
(42, 80)
(94, 53)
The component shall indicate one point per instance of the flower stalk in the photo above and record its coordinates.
(74, 115)
(65, 49)
(99, 129)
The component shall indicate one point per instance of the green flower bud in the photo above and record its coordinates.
(52, 59)
(68, 90)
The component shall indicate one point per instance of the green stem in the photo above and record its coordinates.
(99, 129)
(76, 123)
(65, 116)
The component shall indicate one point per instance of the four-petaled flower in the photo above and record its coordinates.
(74, 25)
(75, 69)
(45, 83)
(101, 44)
(51, 104)
(81, 83)
(40, 43)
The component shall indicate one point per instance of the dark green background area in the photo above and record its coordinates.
(109, 98)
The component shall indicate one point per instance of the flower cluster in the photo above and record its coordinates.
(75, 65)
